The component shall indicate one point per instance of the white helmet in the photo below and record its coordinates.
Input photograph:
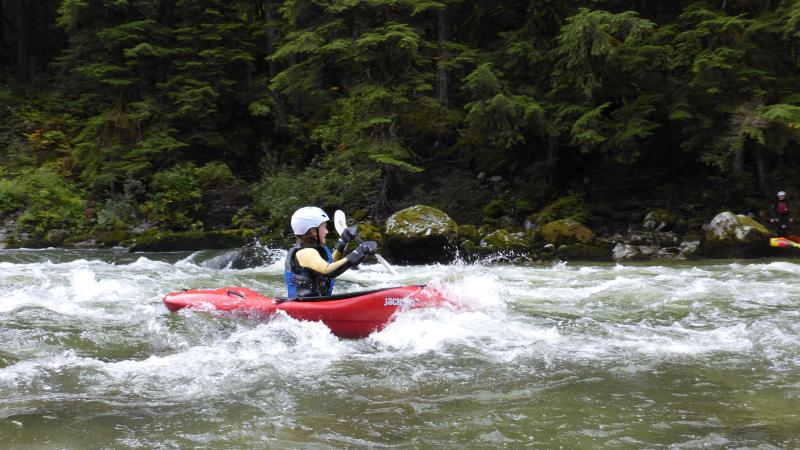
(306, 218)
(781, 193)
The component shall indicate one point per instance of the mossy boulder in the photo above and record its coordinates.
(421, 234)
(503, 241)
(565, 232)
(164, 241)
(116, 237)
(570, 207)
(53, 238)
(735, 236)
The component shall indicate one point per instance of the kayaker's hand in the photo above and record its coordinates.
(370, 247)
(348, 235)
(365, 248)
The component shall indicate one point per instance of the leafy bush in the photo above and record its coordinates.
(495, 209)
(330, 184)
(120, 209)
(223, 196)
(182, 197)
(43, 199)
(175, 197)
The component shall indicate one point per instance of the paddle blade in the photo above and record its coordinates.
(386, 264)
(339, 221)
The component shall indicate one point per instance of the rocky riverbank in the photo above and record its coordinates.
(422, 234)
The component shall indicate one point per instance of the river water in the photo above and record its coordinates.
(702, 354)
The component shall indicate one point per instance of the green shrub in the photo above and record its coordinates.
(43, 199)
(328, 184)
(494, 210)
(175, 198)
(182, 197)
(120, 210)
(224, 195)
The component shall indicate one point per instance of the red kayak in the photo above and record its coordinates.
(354, 314)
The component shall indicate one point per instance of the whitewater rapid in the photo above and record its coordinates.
(575, 354)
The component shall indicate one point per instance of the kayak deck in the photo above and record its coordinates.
(352, 314)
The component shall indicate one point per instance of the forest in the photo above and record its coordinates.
(117, 115)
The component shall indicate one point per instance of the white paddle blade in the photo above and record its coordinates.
(386, 264)
(339, 221)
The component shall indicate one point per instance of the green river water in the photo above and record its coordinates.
(698, 354)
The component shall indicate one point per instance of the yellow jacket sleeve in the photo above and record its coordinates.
(311, 259)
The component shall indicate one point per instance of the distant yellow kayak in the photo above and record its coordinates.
(783, 242)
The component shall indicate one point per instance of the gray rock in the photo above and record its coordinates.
(735, 236)
(623, 251)
(421, 234)
(689, 248)
(659, 238)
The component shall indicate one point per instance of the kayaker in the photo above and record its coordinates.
(781, 216)
(310, 266)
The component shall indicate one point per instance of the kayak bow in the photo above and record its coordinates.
(783, 242)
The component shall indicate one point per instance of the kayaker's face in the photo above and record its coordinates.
(322, 231)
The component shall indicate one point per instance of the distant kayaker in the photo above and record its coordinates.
(781, 216)
(310, 266)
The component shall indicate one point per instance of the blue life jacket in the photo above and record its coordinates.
(304, 282)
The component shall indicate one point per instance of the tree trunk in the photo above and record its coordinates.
(441, 71)
(248, 68)
(383, 206)
(23, 45)
(281, 121)
(552, 159)
(3, 61)
(738, 160)
(761, 172)
(165, 20)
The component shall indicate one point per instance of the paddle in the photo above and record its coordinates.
(340, 223)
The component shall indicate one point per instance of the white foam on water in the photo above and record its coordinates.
(473, 291)
(282, 347)
(436, 330)
(776, 267)
(77, 288)
(477, 319)
(618, 315)
(677, 339)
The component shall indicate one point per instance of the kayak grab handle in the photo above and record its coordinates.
(236, 293)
